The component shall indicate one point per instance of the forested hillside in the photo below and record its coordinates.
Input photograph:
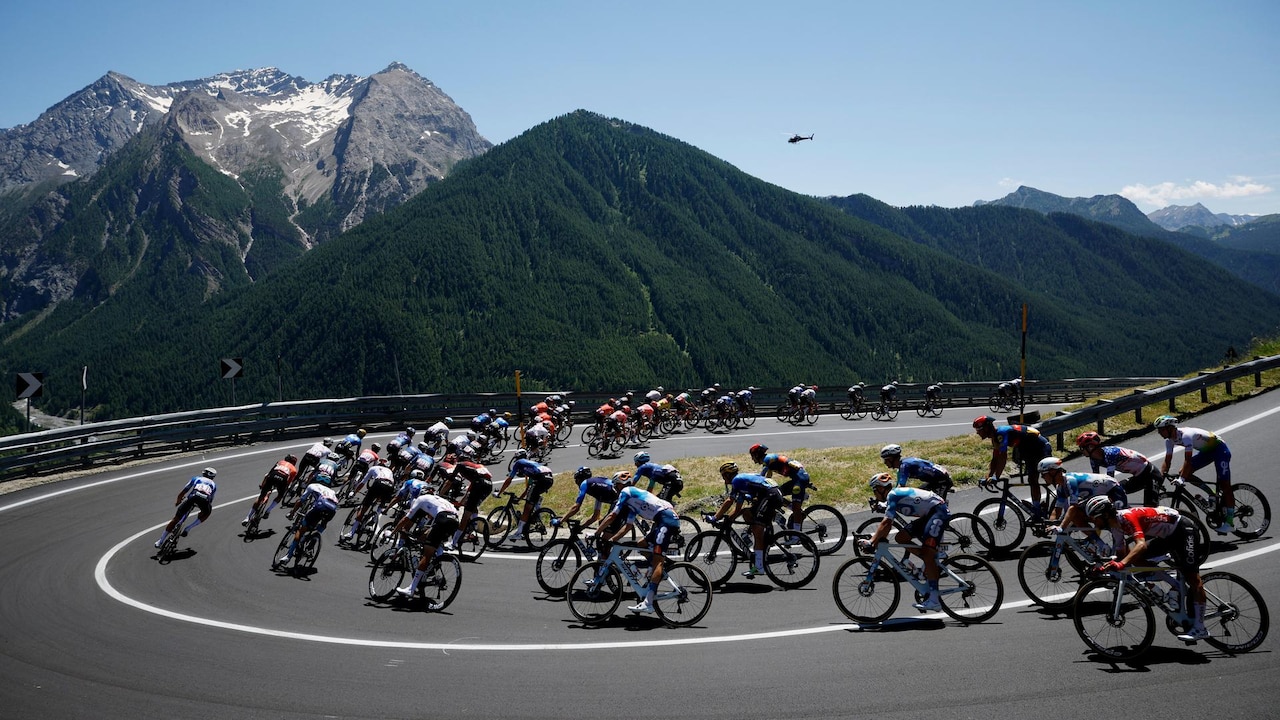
(594, 254)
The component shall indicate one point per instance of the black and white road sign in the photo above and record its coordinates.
(232, 368)
(29, 385)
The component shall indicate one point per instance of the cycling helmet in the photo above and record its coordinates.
(581, 474)
(640, 458)
(983, 420)
(1166, 421)
(891, 450)
(323, 479)
(361, 432)
(291, 459)
(506, 416)
(333, 456)
(410, 431)
(728, 470)
(881, 480)
(622, 477)
(376, 447)
(626, 409)
(209, 473)
(423, 446)
(417, 475)
(448, 421)
(757, 452)
(1088, 440)
(521, 454)
(327, 442)
(1047, 464)
(493, 412)
(1099, 506)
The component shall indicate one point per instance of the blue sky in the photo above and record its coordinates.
(929, 103)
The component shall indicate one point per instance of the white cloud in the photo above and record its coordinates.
(1008, 183)
(1167, 193)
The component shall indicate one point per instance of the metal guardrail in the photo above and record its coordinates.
(1140, 399)
(115, 441)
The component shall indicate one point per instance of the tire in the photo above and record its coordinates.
(811, 416)
(863, 597)
(690, 594)
(593, 602)
(748, 417)
(539, 531)
(982, 590)
(346, 526)
(556, 564)
(846, 412)
(689, 529)
(826, 527)
(1122, 636)
(878, 413)
(598, 447)
(783, 413)
(309, 549)
(1052, 588)
(441, 582)
(966, 533)
(1236, 616)
(501, 523)
(790, 559)
(1006, 533)
(589, 433)
(711, 553)
(922, 410)
(668, 424)
(387, 575)
(474, 540)
(1253, 512)
(286, 539)
(383, 539)
(866, 530)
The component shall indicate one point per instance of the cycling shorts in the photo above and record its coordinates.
(665, 531)
(318, 517)
(928, 529)
(539, 484)
(765, 506)
(1182, 546)
(273, 481)
(379, 490)
(442, 529)
(199, 502)
(477, 491)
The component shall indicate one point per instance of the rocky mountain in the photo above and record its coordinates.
(300, 162)
(1177, 217)
(1111, 209)
(595, 254)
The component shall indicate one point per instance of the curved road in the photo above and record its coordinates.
(91, 626)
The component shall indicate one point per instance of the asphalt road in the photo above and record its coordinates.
(91, 626)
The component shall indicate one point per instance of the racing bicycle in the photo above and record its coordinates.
(683, 597)
(867, 589)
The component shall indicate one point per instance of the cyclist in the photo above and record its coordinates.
(538, 434)
(1152, 532)
(538, 479)
(933, 395)
(797, 478)
(936, 478)
(350, 445)
(809, 398)
(1201, 448)
(665, 475)
(1032, 446)
(1142, 474)
(930, 514)
(855, 394)
(481, 421)
(196, 494)
(436, 435)
(367, 458)
(321, 505)
(278, 478)
(1009, 391)
(402, 440)
(888, 394)
(314, 454)
(381, 486)
(1075, 488)
(443, 517)
(410, 490)
(665, 528)
(604, 491)
(479, 484)
(765, 499)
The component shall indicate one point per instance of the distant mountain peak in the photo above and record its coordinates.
(1177, 217)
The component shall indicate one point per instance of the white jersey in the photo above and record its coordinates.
(430, 506)
(438, 430)
(317, 451)
(379, 471)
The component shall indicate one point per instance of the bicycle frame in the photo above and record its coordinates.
(638, 580)
(884, 554)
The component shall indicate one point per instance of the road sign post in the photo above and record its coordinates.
(28, 385)
(232, 368)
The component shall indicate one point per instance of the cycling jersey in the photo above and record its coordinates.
(429, 506)
(1208, 447)
(320, 495)
(1122, 459)
(284, 470)
(200, 487)
(633, 502)
(410, 490)
(367, 457)
(1078, 487)
(350, 445)
(1139, 523)
(911, 502)
(922, 470)
(600, 489)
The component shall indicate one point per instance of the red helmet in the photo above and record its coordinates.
(1088, 440)
(983, 420)
(757, 451)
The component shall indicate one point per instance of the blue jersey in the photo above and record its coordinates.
(352, 441)
(911, 502)
(748, 485)
(922, 470)
(410, 490)
(657, 474)
(200, 486)
(526, 468)
(600, 489)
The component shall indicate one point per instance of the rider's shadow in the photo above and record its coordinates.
(901, 625)
(183, 554)
(1157, 655)
(298, 573)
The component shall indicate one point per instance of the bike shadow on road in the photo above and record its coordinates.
(183, 554)
(1157, 655)
(901, 625)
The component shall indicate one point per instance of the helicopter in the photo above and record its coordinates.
(797, 138)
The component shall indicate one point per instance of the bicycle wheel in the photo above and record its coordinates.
(501, 523)
(387, 575)
(594, 592)
(286, 539)
(474, 540)
(826, 527)
(996, 403)
(556, 564)
(790, 559)
(866, 530)
(711, 553)
(441, 581)
(966, 533)
(1120, 630)
(1253, 512)
(1007, 530)
(539, 531)
(1049, 584)
(598, 446)
(684, 594)
(689, 528)
(783, 413)
(309, 549)
(1235, 614)
(892, 412)
(384, 538)
(878, 413)
(748, 417)
(347, 522)
(846, 412)
(922, 410)
(970, 588)
(864, 596)
(811, 416)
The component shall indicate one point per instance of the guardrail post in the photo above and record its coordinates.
(1228, 386)
(1204, 395)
